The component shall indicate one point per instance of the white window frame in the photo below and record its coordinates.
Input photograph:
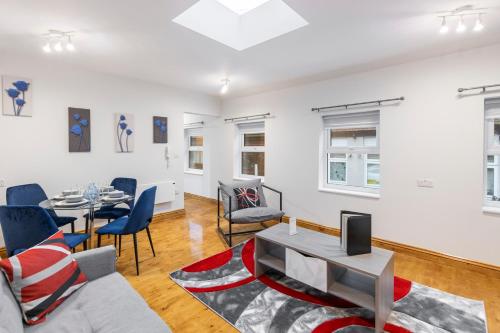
(491, 113)
(241, 130)
(189, 133)
(368, 190)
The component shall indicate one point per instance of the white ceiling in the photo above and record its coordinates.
(138, 39)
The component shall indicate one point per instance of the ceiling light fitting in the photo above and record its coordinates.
(58, 41)
(225, 86)
(462, 13)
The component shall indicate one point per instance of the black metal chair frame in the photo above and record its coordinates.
(134, 236)
(228, 236)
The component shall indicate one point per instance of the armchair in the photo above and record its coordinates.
(251, 215)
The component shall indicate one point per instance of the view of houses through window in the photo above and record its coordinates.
(251, 150)
(492, 152)
(351, 150)
(194, 141)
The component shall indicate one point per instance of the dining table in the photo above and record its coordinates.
(90, 206)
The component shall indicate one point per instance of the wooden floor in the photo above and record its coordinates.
(184, 240)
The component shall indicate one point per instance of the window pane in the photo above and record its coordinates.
(496, 130)
(196, 141)
(372, 174)
(254, 140)
(490, 182)
(337, 171)
(196, 160)
(373, 156)
(252, 163)
(353, 137)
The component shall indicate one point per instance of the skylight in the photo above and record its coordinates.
(241, 24)
(240, 7)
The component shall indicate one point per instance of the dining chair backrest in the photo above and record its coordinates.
(142, 213)
(127, 185)
(25, 226)
(28, 194)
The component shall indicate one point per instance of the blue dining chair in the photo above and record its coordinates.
(33, 194)
(138, 220)
(26, 226)
(110, 212)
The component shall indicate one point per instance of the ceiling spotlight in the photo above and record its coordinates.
(444, 28)
(58, 47)
(461, 27)
(225, 86)
(479, 24)
(46, 48)
(69, 44)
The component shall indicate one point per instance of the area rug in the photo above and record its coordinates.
(275, 303)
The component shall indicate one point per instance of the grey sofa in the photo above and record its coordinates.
(107, 303)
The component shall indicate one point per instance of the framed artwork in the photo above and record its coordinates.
(160, 129)
(17, 96)
(79, 130)
(124, 132)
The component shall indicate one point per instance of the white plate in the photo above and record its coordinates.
(109, 199)
(70, 204)
(58, 197)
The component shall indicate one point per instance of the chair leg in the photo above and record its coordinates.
(150, 241)
(87, 224)
(115, 241)
(109, 235)
(136, 255)
(230, 235)
(84, 245)
(98, 240)
(73, 227)
(119, 245)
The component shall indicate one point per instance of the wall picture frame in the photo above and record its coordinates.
(17, 96)
(124, 132)
(79, 134)
(160, 129)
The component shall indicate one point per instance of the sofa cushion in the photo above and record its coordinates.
(42, 277)
(256, 214)
(68, 321)
(110, 306)
(11, 320)
(229, 188)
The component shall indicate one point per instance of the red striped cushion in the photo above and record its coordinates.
(42, 277)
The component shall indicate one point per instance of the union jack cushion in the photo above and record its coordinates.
(247, 197)
(42, 277)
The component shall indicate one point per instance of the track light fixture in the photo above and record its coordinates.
(58, 41)
(444, 28)
(459, 15)
(479, 23)
(225, 86)
(461, 27)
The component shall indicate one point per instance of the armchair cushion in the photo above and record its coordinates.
(229, 188)
(247, 197)
(256, 214)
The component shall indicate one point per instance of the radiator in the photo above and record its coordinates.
(165, 191)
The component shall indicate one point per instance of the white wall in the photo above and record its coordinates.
(36, 149)
(432, 134)
(200, 183)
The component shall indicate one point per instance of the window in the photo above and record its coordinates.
(194, 150)
(250, 155)
(492, 152)
(350, 158)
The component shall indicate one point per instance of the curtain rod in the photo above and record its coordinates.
(480, 87)
(197, 123)
(263, 115)
(346, 106)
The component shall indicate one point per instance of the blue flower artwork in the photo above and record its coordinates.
(79, 130)
(17, 96)
(160, 129)
(124, 133)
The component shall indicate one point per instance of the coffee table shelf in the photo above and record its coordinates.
(273, 262)
(318, 260)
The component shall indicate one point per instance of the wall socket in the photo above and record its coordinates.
(425, 183)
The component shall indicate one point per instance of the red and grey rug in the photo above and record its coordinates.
(276, 303)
